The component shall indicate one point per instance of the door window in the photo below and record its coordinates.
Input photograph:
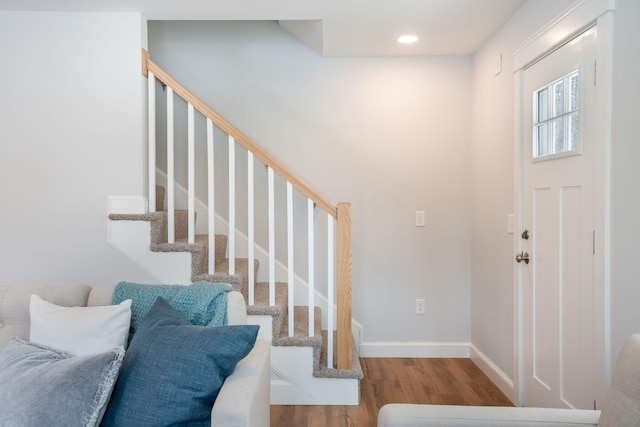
(556, 116)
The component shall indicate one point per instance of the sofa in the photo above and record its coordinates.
(243, 399)
(621, 407)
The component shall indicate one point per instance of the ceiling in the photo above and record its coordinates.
(331, 27)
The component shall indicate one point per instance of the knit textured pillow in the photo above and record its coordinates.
(173, 370)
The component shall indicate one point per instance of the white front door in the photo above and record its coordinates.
(558, 214)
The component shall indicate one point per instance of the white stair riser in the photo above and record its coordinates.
(265, 322)
(131, 238)
(293, 383)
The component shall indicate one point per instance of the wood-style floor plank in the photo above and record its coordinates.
(435, 381)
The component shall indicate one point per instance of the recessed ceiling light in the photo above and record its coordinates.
(407, 39)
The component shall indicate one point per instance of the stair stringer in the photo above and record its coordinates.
(301, 286)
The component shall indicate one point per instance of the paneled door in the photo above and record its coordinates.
(558, 215)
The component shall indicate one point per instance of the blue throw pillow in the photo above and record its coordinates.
(173, 370)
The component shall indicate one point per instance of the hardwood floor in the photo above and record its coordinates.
(436, 381)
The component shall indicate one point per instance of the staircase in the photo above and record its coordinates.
(163, 242)
(300, 375)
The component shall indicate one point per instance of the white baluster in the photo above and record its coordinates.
(191, 176)
(232, 205)
(330, 290)
(211, 196)
(311, 265)
(272, 240)
(290, 254)
(250, 224)
(151, 88)
(171, 222)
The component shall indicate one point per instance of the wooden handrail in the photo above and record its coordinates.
(242, 139)
(342, 213)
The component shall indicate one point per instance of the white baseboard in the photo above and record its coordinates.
(415, 349)
(495, 374)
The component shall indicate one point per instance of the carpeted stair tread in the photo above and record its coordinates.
(158, 222)
(238, 280)
(202, 240)
(261, 304)
(199, 253)
(261, 295)
(221, 273)
(160, 193)
(301, 322)
(321, 370)
(301, 336)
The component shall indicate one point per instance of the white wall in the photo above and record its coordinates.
(625, 176)
(389, 135)
(492, 177)
(492, 183)
(70, 135)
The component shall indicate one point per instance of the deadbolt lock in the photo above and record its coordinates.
(523, 256)
(525, 234)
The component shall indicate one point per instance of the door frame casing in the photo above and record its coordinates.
(581, 16)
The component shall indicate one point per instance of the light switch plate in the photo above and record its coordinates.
(497, 64)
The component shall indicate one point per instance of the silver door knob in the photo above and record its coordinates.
(523, 256)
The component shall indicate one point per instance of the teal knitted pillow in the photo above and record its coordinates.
(173, 370)
(42, 386)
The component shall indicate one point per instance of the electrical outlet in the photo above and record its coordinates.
(420, 306)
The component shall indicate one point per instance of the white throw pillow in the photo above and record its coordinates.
(79, 330)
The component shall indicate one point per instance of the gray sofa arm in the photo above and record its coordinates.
(245, 395)
(406, 415)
